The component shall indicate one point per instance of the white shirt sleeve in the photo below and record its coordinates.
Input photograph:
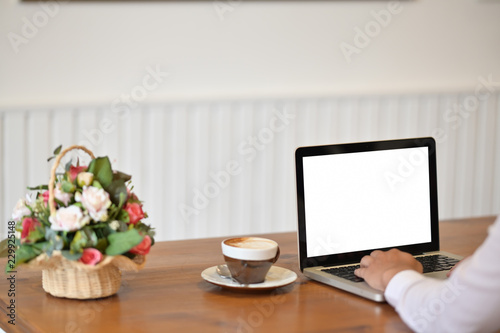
(469, 301)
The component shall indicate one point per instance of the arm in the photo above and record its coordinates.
(468, 301)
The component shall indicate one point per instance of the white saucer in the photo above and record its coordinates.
(277, 277)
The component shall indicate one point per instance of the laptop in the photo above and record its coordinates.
(358, 197)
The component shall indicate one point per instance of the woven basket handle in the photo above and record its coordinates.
(52, 180)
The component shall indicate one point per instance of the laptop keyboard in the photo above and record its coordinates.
(432, 263)
(346, 272)
(437, 263)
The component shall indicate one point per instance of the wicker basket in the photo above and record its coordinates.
(73, 279)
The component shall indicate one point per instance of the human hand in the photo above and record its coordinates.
(380, 267)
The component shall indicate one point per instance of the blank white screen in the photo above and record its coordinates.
(367, 200)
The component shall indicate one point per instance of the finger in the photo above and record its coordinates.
(366, 261)
(360, 272)
(376, 253)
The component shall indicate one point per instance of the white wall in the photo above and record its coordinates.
(84, 61)
(93, 52)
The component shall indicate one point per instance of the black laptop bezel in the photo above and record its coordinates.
(355, 257)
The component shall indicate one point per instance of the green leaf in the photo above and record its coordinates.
(91, 237)
(35, 235)
(122, 176)
(67, 166)
(79, 242)
(121, 242)
(123, 198)
(98, 225)
(117, 192)
(101, 168)
(102, 244)
(58, 243)
(68, 187)
(71, 256)
(95, 183)
(123, 216)
(46, 247)
(58, 150)
(56, 240)
(102, 231)
(4, 248)
(39, 187)
(50, 234)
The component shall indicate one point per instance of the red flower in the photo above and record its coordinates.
(29, 224)
(142, 248)
(45, 196)
(134, 211)
(91, 256)
(74, 171)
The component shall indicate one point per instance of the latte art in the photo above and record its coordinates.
(249, 248)
(251, 243)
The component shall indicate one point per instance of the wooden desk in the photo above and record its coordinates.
(169, 295)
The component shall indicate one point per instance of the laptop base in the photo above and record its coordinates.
(362, 288)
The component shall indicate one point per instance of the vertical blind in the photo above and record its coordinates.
(209, 169)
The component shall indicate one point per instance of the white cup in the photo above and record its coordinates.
(250, 258)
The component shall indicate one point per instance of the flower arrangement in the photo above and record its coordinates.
(85, 213)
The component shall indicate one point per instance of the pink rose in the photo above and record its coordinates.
(134, 211)
(142, 248)
(68, 219)
(29, 224)
(74, 171)
(96, 201)
(91, 256)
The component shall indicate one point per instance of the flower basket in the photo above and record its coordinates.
(83, 231)
(72, 279)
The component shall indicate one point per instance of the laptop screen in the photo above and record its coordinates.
(367, 200)
(355, 198)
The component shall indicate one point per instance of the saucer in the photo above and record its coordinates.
(275, 278)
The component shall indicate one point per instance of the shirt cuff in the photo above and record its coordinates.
(399, 284)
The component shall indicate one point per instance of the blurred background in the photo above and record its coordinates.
(205, 102)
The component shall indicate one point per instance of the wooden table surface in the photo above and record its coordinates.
(169, 295)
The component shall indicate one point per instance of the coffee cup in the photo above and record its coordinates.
(250, 258)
